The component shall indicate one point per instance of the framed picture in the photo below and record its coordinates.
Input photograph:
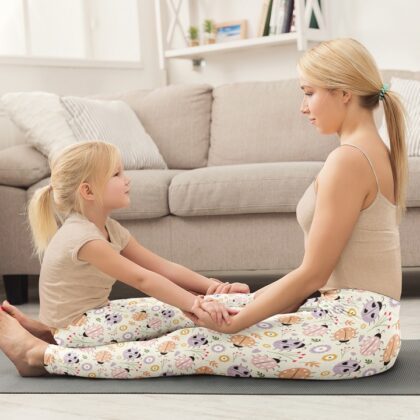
(230, 31)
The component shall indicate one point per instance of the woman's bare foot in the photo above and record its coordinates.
(36, 328)
(22, 348)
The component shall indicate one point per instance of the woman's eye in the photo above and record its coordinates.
(308, 94)
(116, 174)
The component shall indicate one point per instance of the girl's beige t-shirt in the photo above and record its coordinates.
(68, 287)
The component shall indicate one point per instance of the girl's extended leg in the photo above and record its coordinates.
(132, 320)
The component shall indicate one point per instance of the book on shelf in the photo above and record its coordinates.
(263, 16)
(281, 16)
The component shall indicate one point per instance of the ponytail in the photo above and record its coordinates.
(395, 121)
(42, 219)
(91, 161)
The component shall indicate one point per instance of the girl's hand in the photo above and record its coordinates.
(227, 287)
(203, 319)
(217, 311)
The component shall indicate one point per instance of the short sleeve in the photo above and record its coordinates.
(120, 233)
(82, 241)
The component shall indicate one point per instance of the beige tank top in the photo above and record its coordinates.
(371, 259)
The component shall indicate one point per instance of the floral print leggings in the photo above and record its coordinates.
(343, 334)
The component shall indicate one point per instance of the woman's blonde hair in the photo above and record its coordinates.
(93, 162)
(346, 64)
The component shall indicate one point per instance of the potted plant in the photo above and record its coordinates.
(209, 31)
(193, 33)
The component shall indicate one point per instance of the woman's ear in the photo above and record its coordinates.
(347, 95)
(86, 192)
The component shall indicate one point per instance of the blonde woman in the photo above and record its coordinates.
(349, 215)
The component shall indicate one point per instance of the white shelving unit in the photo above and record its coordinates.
(303, 34)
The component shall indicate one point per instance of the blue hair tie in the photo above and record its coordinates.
(384, 89)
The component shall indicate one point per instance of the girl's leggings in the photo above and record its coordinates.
(343, 334)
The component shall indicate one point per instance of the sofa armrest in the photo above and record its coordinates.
(22, 166)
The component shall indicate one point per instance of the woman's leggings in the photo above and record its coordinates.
(343, 334)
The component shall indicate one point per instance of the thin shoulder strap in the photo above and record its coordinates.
(367, 157)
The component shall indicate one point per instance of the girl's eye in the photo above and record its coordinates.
(116, 174)
(308, 94)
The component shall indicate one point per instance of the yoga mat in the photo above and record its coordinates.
(402, 379)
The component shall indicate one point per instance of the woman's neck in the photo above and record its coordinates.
(357, 122)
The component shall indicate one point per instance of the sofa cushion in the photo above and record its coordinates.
(177, 117)
(255, 188)
(259, 122)
(413, 188)
(240, 189)
(22, 166)
(113, 122)
(148, 193)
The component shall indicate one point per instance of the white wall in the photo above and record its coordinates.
(388, 28)
(83, 80)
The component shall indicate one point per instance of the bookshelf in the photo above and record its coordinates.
(301, 36)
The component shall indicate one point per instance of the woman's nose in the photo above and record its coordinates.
(304, 107)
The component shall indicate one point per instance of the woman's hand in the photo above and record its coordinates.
(220, 288)
(203, 319)
(209, 308)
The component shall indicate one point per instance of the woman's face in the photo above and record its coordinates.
(325, 108)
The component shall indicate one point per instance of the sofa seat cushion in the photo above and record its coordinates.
(240, 189)
(148, 194)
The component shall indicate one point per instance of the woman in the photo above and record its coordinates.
(349, 215)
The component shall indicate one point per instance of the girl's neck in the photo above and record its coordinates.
(97, 217)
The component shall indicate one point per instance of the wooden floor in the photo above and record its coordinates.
(201, 407)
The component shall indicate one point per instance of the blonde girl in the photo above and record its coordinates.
(82, 258)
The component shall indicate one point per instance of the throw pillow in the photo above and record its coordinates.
(409, 91)
(51, 124)
(40, 116)
(114, 122)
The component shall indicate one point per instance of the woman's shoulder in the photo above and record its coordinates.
(345, 165)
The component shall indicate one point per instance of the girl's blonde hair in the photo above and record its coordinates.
(346, 64)
(93, 162)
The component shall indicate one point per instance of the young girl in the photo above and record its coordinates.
(349, 215)
(82, 259)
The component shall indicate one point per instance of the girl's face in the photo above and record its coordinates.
(116, 193)
(325, 108)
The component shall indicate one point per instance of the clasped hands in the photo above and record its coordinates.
(208, 312)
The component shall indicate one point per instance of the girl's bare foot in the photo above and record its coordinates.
(36, 328)
(22, 348)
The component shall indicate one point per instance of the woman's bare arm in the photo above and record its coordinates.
(342, 187)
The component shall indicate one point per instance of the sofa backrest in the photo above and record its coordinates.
(177, 117)
(255, 122)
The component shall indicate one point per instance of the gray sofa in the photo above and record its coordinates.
(240, 156)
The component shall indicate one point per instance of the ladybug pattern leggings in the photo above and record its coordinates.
(342, 334)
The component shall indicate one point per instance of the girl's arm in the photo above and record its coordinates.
(101, 255)
(177, 273)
